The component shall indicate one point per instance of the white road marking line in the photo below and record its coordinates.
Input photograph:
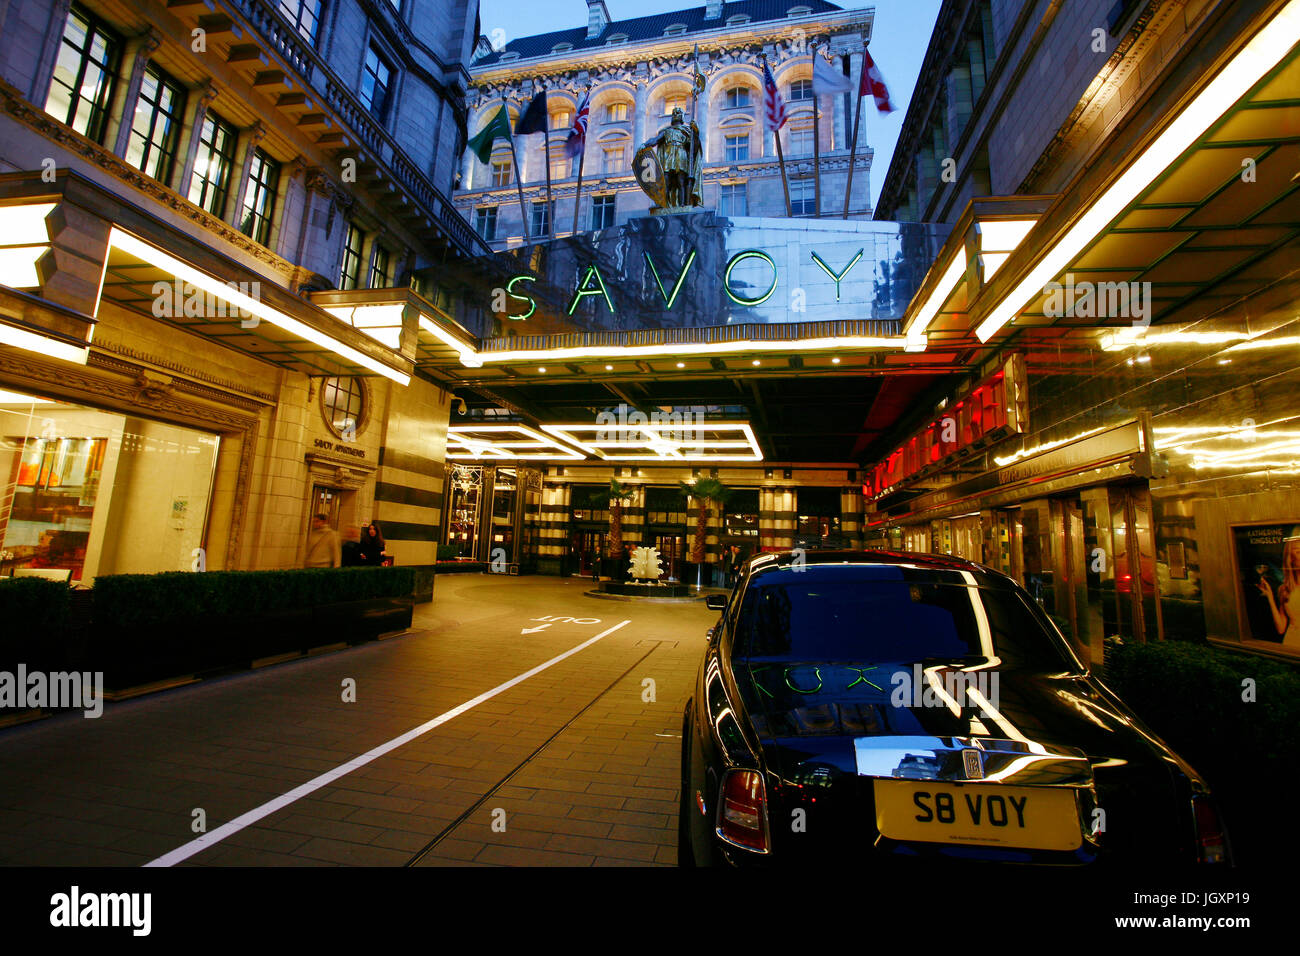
(207, 840)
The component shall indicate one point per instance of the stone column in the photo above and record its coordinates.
(141, 48)
(639, 117)
(252, 137)
(205, 95)
(49, 53)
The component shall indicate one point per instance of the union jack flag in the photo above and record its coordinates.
(773, 105)
(578, 132)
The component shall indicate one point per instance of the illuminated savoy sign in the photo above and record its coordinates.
(592, 282)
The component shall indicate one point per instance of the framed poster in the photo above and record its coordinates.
(1268, 581)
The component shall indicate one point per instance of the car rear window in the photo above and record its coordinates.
(875, 614)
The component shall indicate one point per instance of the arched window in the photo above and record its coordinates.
(737, 97)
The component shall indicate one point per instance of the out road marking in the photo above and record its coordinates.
(203, 842)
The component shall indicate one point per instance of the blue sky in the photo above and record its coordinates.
(901, 34)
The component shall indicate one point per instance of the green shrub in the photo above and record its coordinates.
(34, 615)
(1190, 694)
(125, 602)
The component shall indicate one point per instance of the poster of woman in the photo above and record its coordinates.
(1268, 557)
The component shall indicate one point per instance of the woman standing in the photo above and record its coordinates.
(1286, 607)
(372, 545)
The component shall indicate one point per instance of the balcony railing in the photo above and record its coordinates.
(315, 74)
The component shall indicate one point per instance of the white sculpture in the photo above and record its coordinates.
(645, 564)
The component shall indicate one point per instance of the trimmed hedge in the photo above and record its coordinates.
(177, 598)
(1190, 693)
(34, 615)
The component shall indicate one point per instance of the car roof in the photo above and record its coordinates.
(812, 558)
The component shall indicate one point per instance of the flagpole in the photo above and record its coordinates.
(582, 159)
(853, 146)
(519, 176)
(546, 154)
(817, 146)
(780, 155)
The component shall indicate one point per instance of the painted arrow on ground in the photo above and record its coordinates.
(533, 630)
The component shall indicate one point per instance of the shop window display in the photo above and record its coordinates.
(93, 492)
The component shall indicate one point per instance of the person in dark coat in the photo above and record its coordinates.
(372, 545)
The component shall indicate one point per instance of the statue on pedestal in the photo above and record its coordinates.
(669, 167)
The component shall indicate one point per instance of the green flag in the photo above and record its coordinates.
(481, 144)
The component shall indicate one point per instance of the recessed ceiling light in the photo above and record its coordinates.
(835, 361)
(757, 362)
(681, 365)
(609, 368)
(541, 368)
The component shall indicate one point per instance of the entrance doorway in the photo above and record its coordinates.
(326, 501)
(672, 549)
(586, 550)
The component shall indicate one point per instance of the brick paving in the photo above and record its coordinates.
(572, 767)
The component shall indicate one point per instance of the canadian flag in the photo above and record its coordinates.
(874, 83)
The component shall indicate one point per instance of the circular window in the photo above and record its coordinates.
(343, 403)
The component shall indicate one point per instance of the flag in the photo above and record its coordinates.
(874, 83)
(498, 126)
(535, 118)
(577, 140)
(826, 79)
(773, 105)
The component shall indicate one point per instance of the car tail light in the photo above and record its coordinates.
(742, 813)
(1211, 841)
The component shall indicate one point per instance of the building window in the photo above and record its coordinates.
(615, 159)
(304, 15)
(560, 168)
(350, 276)
(737, 147)
(801, 90)
(85, 75)
(501, 170)
(214, 164)
(343, 403)
(157, 126)
(259, 200)
(674, 103)
(485, 222)
(737, 96)
(381, 275)
(738, 20)
(374, 83)
(732, 201)
(802, 201)
(540, 224)
(616, 113)
(801, 142)
(676, 30)
(602, 212)
(561, 119)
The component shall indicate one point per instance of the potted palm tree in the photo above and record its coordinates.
(705, 491)
(614, 499)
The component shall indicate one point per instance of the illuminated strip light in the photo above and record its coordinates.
(42, 344)
(671, 349)
(1045, 446)
(1139, 338)
(1264, 51)
(183, 270)
(915, 330)
(532, 439)
(25, 225)
(469, 357)
(677, 450)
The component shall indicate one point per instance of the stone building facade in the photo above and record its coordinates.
(637, 71)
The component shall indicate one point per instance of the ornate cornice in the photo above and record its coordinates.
(72, 141)
(231, 392)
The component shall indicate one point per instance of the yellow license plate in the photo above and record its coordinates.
(1034, 818)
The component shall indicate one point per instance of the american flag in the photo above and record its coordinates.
(773, 106)
(578, 132)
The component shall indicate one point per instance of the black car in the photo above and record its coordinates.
(893, 705)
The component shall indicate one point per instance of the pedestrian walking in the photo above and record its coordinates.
(372, 545)
(323, 550)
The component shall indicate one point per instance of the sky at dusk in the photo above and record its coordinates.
(899, 39)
